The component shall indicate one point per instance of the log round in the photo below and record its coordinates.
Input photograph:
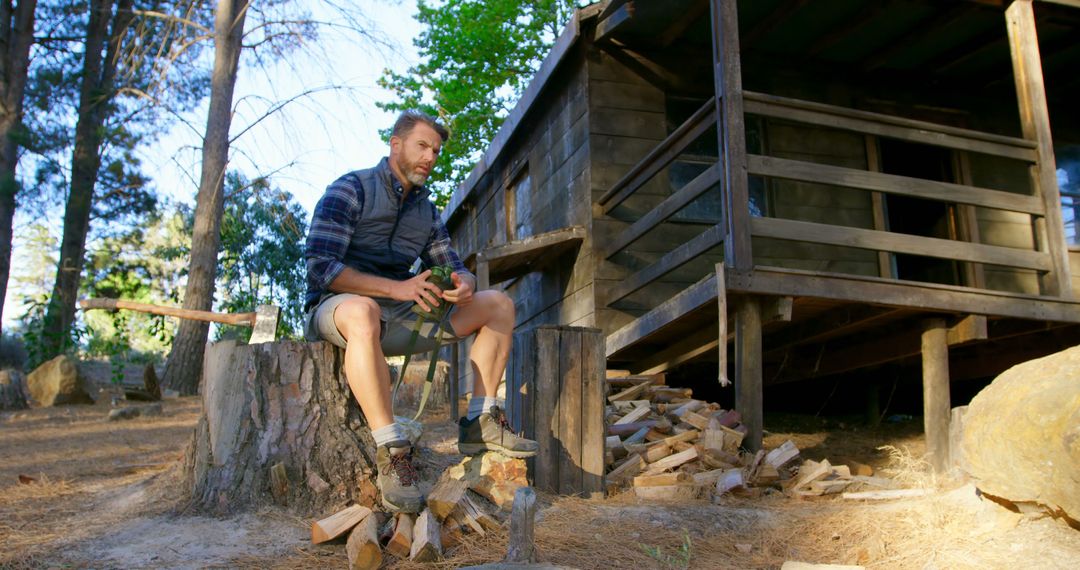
(279, 424)
(1021, 434)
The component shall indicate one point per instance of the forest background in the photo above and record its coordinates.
(171, 151)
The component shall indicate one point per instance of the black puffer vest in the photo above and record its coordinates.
(389, 235)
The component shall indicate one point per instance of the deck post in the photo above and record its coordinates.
(727, 78)
(1035, 124)
(748, 369)
(936, 404)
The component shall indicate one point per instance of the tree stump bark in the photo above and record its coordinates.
(272, 407)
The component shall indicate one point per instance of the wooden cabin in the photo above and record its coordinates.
(794, 189)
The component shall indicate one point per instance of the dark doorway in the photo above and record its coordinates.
(916, 216)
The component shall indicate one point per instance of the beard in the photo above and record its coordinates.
(409, 171)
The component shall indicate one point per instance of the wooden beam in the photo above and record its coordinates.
(893, 184)
(880, 124)
(767, 24)
(731, 132)
(907, 295)
(970, 329)
(813, 232)
(936, 403)
(671, 261)
(978, 45)
(658, 158)
(869, 12)
(611, 24)
(722, 323)
(682, 23)
(669, 207)
(683, 351)
(748, 369)
(942, 19)
(1035, 124)
(519, 257)
(687, 300)
(837, 322)
(877, 204)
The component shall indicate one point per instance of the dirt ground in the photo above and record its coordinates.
(106, 495)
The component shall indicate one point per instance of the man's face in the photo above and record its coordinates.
(414, 154)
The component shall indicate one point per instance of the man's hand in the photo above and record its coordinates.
(462, 293)
(418, 290)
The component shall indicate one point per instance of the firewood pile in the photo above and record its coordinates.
(666, 445)
(471, 497)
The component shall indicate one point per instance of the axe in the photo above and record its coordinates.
(264, 319)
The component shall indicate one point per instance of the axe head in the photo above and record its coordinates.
(266, 321)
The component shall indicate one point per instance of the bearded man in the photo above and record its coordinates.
(366, 234)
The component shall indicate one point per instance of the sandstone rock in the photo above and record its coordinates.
(493, 475)
(1021, 434)
(58, 382)
(12, 390)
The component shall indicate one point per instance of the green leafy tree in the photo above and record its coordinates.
(262, 254)
(478, 56)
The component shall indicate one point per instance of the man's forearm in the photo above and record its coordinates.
(353, 281)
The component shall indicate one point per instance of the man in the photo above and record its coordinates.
(366, 233)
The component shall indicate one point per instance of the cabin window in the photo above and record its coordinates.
(699, 156)
(518, 201)
(1068, 177)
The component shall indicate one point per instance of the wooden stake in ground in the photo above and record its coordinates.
(522, 549)
(363, 545)
(338, 523)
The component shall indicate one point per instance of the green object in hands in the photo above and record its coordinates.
(440, 277)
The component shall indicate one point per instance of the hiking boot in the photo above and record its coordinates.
(397, 479)
(491, 432)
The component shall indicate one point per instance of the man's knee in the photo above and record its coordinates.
(500, 304)
(359, 316)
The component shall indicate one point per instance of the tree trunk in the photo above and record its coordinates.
(282, 403)
(16, 35)
(185, 359)
(95, 94)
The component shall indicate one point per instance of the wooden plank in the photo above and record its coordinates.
(426, 544)
(547, 410)
(887, 126)
(570, 407)
(669, 207)
(748, 369)
(892, 184)
(678, 257)
(338, 523)
(610, 24)
(593, 430)
(1035, 124)
(794, 230)
(689, 299)
(874, 290)
(701, 342)
(518, 257)
(722, 328)
(363, 547)
(936, 404)
(658, 158)
(967, 224)
(877, 203)
(837, 322)
(731, 135)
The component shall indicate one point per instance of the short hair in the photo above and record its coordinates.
(408, 119)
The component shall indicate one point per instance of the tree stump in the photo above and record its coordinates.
(12, 390)
(274, 408)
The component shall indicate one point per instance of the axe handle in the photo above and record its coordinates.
(243, 319)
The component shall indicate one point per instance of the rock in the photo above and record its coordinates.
(130, 412)
(58, 382)
(493, 475)
(12, 390)
(1021, 434)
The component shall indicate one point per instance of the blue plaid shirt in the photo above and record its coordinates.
(334, 221)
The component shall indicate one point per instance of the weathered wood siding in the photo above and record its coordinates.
(628, 119)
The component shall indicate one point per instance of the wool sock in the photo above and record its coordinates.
(389, 434)
(479, 405)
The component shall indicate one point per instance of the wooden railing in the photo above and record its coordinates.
(878, 239)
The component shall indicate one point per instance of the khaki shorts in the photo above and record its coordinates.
(397, 319)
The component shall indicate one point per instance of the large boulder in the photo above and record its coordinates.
(58, 382)
(1021, 434)
(12, 390)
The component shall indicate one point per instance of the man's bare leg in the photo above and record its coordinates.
(491, 316)
(358, 320)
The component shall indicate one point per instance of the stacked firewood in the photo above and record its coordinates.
(666, 445)
(469, 498)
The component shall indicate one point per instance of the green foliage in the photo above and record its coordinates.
(261, 261)
(680, 559)
(35, 337)
(478, 57)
